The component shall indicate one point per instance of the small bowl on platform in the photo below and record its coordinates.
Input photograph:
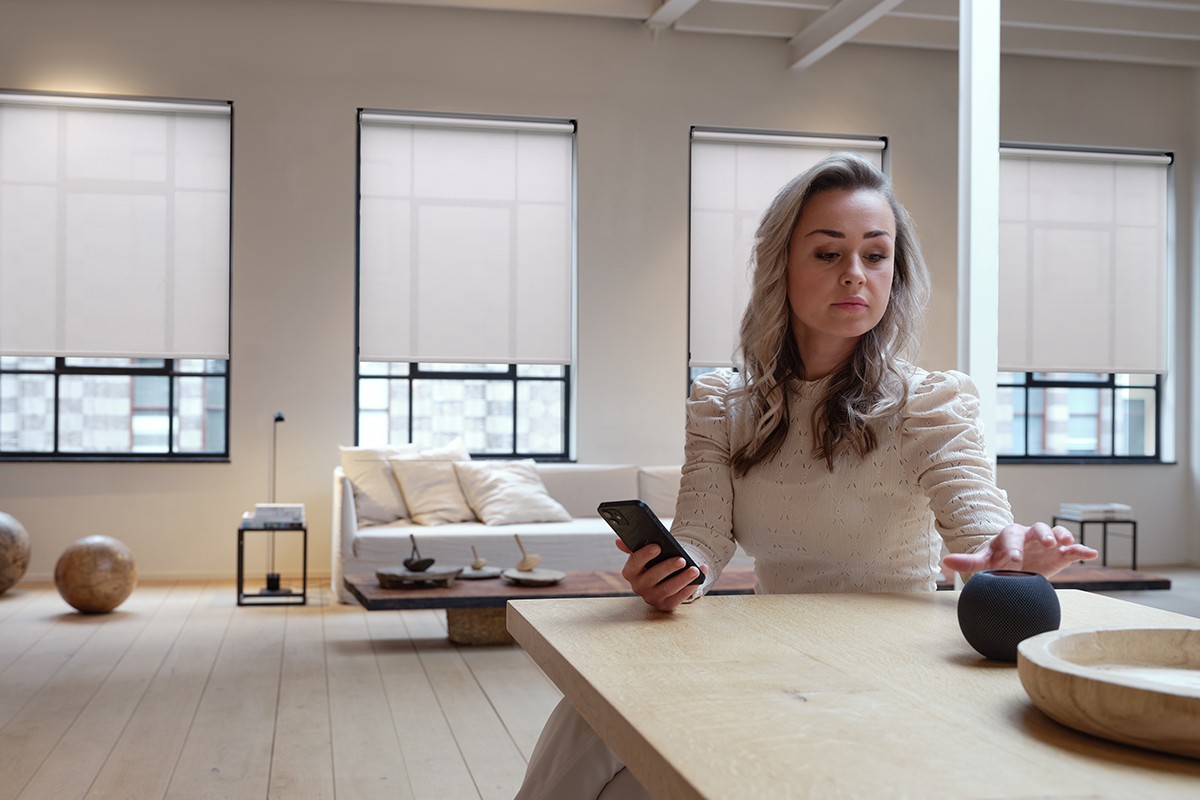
(480, 574)
(534, 577)
(403, 578)
(1138, 686)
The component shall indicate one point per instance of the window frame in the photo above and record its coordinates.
(1104, 382)
(168, 370)
(1107, 381)
(776, 138)
(415, 372)
(414, 367)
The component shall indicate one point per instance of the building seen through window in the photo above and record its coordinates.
(1084, 307)
(1083, 415)
(466, 270)
(497, 409)
(114, 277)
(108, 407)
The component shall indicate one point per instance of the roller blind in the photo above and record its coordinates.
(466, 239)
(735, 175)
(1083, 261)
(114, 227)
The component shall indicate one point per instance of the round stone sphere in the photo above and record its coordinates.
(14, 551)
(95, 574)
(998, 609)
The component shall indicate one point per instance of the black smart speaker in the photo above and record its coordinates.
(998, 609)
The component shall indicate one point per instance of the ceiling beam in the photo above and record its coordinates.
(835, 27)
(669, 13)
(620, 9)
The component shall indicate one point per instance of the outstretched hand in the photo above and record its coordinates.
(1037, 548)
(655, 584)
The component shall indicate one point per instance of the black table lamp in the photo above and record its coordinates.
(272, 575)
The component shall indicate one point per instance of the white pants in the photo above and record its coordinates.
(570, 762)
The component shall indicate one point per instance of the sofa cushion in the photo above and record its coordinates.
(658, 487)
(582, 543)
(377, 498)
(582, 487)
(507, 492)
(431, 491)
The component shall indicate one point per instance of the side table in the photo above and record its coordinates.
(1103, 523)
(267, 597)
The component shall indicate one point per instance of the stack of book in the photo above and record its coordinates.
(1095, 511)
(275, 515)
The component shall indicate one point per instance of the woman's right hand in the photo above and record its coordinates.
(654, 584)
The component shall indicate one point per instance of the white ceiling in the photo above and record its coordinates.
(1131, 31)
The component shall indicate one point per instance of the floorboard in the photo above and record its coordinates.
(182, 694)
(144, 758)
(495, 763)
(521, 694)
(436, 765)
(228, 748)
(301, 760)
(70, 768)
(29, 736)
(368, 761)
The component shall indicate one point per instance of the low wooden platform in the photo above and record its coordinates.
(1107, 579)
(496, 593)
(475, 609)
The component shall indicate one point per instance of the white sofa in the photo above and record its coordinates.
(583, 543)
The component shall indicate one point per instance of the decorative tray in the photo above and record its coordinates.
(534, 577)
(403, 578)
(1139, 686)
(481, 574)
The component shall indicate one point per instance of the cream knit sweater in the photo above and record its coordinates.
(871, 526)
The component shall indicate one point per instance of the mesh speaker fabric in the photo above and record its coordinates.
(998, 609)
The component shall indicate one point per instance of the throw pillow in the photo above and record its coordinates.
(377, 498)
(454, 450)
(658, 487)
(431, 492)
(508, 493)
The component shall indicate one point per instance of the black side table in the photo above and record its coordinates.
(266, 597)
(1104, 523)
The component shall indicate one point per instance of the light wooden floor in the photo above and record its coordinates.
(181, 694)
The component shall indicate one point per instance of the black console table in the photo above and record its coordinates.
(1104, 524)
(265, 596)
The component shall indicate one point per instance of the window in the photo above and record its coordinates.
(1079, 415)
(106, 408)
(1084, 281)
(498, 409)
(114, 278)
(465, 270)
(735, 176)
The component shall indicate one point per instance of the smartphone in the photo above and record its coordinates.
(636, 524)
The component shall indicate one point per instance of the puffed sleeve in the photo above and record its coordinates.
(944, 446)
(704, 510)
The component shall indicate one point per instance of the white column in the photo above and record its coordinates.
(978, 201)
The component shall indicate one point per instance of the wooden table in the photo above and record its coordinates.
(475, 608)
(830, 696)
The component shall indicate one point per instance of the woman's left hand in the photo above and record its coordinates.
(1036, 548)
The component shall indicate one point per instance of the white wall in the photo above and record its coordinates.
(296, 72)
(1083, 103)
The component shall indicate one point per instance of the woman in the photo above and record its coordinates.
(836, 464)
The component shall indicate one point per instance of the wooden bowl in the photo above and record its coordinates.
(1139, 686)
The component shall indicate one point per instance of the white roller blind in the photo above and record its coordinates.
(466, 240)
(1083, 262)
(114, 227)
(734, 178)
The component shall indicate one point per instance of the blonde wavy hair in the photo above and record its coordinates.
(870, 388)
